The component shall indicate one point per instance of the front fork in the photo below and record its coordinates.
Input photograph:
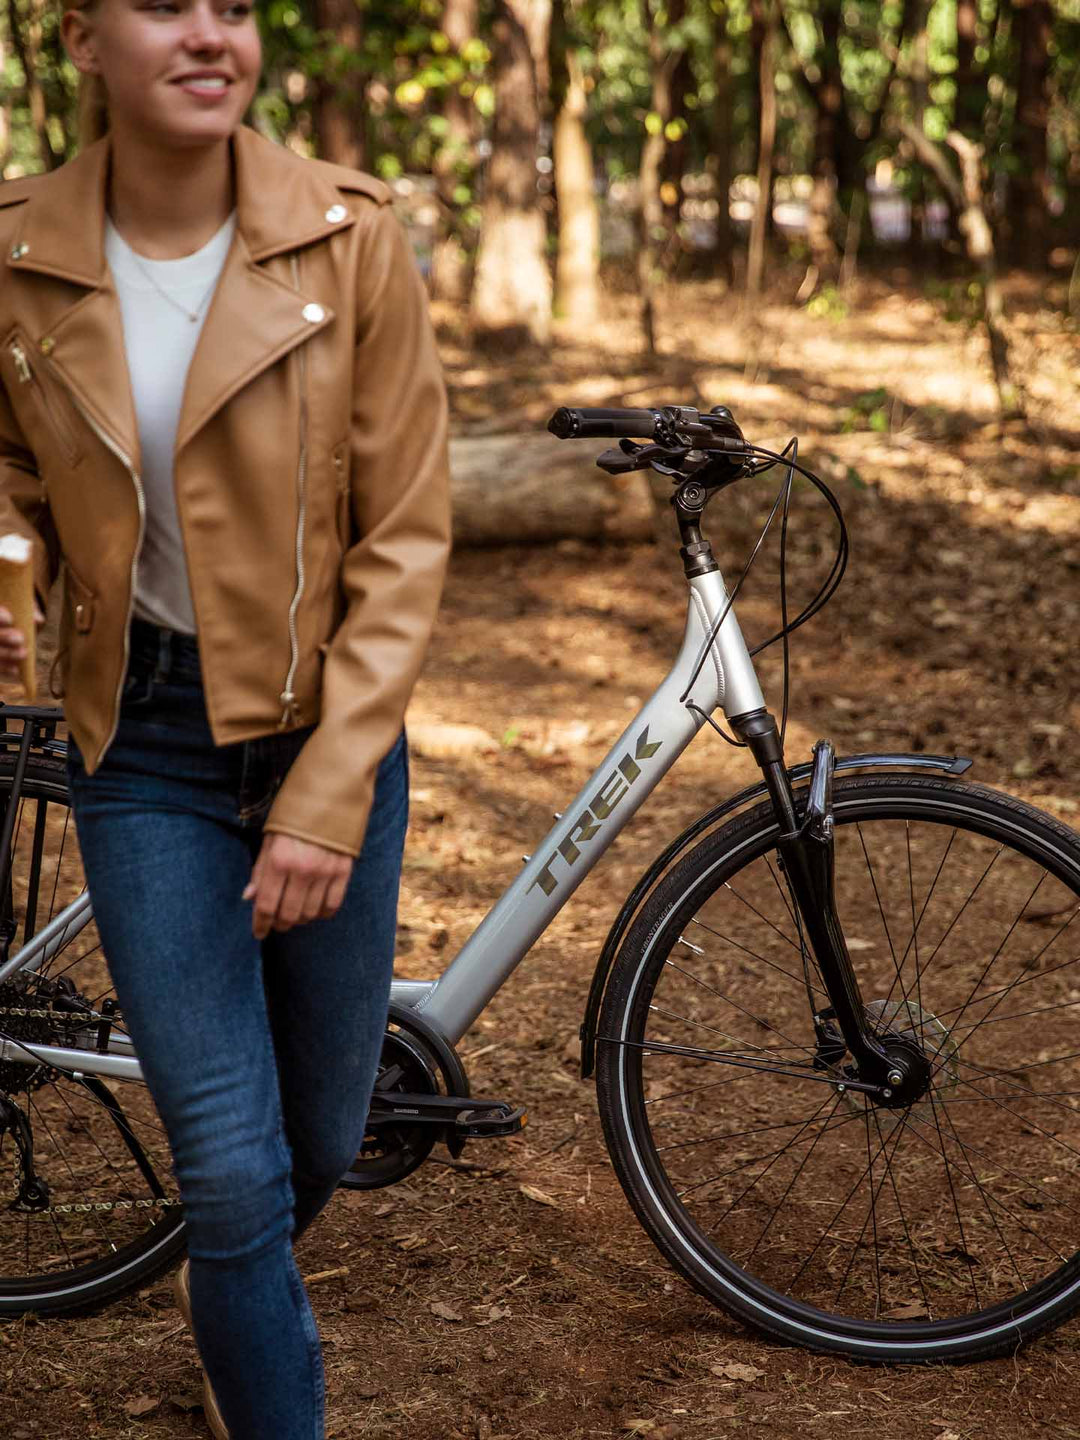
(884, 1071)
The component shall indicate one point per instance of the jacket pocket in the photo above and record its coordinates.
(48, 403)
(81, 601)
(341, 482)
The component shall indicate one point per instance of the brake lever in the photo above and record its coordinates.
(632, 456)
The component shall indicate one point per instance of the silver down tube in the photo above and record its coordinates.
(635, 764)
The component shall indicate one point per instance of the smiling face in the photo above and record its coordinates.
(177, 72)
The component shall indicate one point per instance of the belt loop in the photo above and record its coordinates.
(164, 659)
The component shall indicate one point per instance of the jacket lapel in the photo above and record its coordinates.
(254, 318)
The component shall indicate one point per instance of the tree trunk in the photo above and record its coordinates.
(529, 488)
(920, 98)
(5, 113)
(650, 216)
(576, 285)
(828, 139)
(26, 43)
(511, 299)
(764, 21)
(722, 135)
(676, 151)
(338, 108)
(453, 163)
(970, 91)
(966, 198)
(1029, 189)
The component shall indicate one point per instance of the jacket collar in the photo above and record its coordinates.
(282, 203)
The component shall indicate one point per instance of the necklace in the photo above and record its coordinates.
(192, 315)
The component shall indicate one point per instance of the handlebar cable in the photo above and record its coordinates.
(820, 599)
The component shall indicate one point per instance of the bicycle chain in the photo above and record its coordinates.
(89, 1019)
(98, 1206)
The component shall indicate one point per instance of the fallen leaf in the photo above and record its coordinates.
(444, 1311)
(141, 1405)
(187, 1401)
(733, 1370)
(540, 1196)
(639, 1427)
(913, 1310)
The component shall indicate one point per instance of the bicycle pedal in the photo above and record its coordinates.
(500, 1119)
(468, 1116)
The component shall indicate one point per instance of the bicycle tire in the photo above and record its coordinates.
(96, 1144)
(946, 1222)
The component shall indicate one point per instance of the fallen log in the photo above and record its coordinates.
(531, 489)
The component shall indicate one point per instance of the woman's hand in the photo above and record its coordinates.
(294, 881)
(13, 645)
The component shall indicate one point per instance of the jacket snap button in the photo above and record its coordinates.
(48, 345)
(80, 612)
(336, 213)
(20, 250)
(314, 313)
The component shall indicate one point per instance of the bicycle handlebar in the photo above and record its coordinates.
(577, 424)
(671, 425)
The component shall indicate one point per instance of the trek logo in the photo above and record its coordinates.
(602, 804)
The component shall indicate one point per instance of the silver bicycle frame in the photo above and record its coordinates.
(640, 758)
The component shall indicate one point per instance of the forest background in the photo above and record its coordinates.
(580, 179)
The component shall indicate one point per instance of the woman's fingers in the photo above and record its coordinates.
(12, 647)
(294, 882)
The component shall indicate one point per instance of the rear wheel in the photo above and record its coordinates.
(944, 1227)
(88, 1203)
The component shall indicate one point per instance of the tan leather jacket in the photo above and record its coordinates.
(310, 466)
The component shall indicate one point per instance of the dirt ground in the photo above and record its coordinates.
(516, 1296)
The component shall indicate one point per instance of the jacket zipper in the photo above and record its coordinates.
(140, 496)
(26, 376)
(288, 694)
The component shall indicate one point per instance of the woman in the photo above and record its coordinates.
(222, 411)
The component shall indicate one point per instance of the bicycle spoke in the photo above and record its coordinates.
(771, 964)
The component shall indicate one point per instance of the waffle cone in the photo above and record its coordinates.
(17, 596)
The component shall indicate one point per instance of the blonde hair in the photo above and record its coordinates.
(92, 114)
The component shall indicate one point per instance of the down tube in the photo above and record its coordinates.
(638, 760)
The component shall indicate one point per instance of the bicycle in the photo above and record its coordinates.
(829, 1026)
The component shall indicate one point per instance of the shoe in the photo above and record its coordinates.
(182, 1293)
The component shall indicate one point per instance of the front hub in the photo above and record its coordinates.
(907, 1078)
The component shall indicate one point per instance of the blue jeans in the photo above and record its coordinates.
(260, 1057)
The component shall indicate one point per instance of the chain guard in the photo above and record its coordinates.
(414, 1060)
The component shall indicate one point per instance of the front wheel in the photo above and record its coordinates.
(942, 1229)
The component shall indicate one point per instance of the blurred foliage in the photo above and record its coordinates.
(408, 69)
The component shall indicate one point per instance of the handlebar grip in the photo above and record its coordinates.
(589, 424)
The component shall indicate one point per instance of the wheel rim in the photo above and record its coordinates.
(904, 1227)
(110, 1202)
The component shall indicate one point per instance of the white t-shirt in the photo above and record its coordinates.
(160, 340)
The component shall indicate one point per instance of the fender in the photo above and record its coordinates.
(948, 765)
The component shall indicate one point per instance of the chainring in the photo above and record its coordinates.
(392, 1150)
